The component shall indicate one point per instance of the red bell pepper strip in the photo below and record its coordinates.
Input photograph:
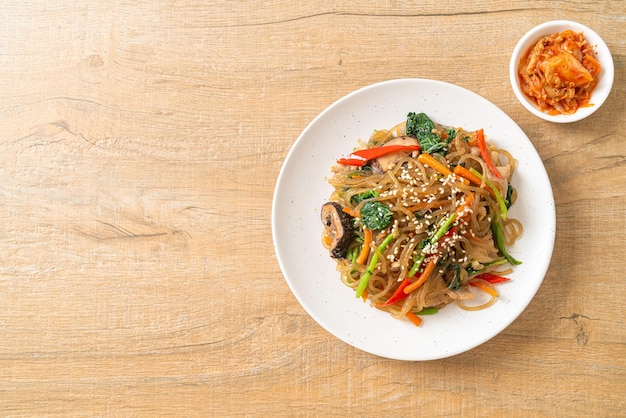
(449, 233)
(484, 152)
(492, 278)
(351, 161)
(399, 294)
(371, 153)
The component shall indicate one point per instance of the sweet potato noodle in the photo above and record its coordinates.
(418, 218)
(559, 72)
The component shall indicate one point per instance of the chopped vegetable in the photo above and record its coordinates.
(371, 153)
(417, 321)
(358, 198)
(494, 190)
(398, 295)
(450, 134)
(447, 224)
(498, 236)
(365, 249)
(456, 282)
(467, 202)
(389, 161)
(350, 212)
(431, 162)
(422, 279)
(484, 152)
(461, 171)
(485, 287)
(420, 126)
(472, 271)
(375, 215)
(353, 253)
(351, 161)
(492, 278)
(365, 278)
(417, 262)
(327, 240)
(509, 196)
(467, 174)
(428, 311)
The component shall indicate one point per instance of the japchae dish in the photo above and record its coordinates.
(418, 218)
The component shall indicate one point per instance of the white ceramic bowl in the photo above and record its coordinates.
(603, 55)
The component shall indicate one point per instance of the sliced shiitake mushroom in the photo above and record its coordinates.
(339, 227)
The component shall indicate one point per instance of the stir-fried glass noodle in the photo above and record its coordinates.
(419, 218)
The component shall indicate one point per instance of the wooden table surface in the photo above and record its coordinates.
(139, 150)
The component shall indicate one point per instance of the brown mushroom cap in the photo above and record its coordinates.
(340, 228)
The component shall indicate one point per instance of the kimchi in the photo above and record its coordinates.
(559, 72)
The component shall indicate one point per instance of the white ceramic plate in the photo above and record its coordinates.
(302, 188)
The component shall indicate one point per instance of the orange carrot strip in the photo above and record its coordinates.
(365, 250)
(414, 318)
(328, 240)
(464, 172)
(459, 170)
(422, 279)
(350, 212)
(430, 161)
(484, 287)
(364, 295)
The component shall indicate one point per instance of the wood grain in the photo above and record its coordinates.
(139, 151)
